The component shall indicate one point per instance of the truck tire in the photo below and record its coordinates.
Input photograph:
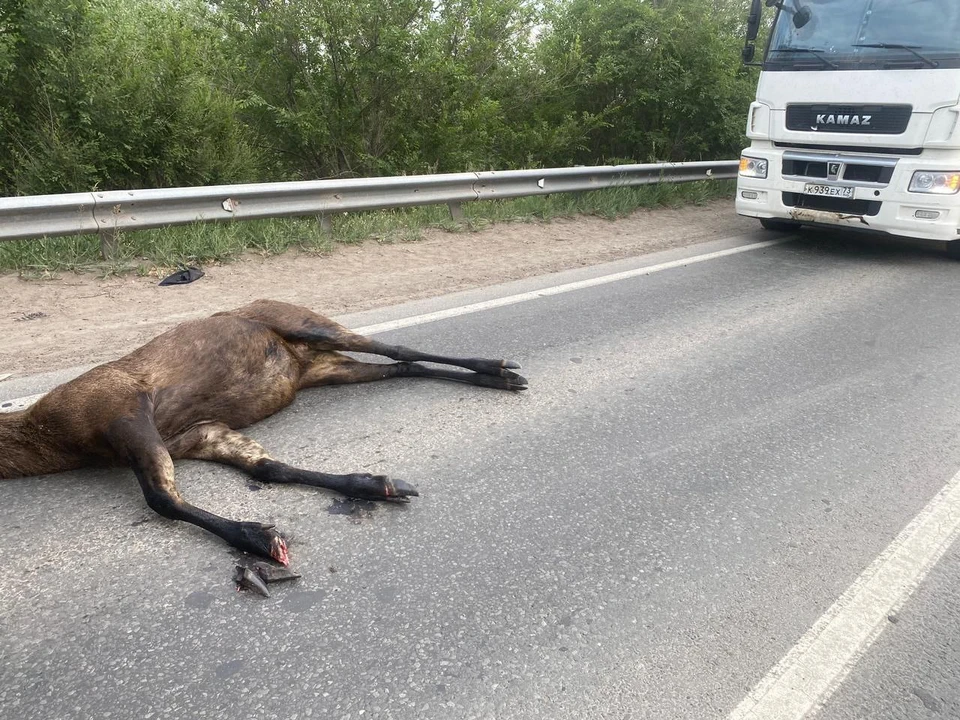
(779, 225)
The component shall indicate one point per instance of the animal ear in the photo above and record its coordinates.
(182, 277)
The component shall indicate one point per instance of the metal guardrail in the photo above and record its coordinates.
(110, 213)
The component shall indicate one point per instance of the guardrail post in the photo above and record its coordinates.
(109, 243)
(456, 212)
(326, 224)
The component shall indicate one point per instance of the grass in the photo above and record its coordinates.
(157, 252)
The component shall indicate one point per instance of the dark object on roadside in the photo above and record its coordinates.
(256, 577)
(272, 573)
(247, 579)
(183, 276)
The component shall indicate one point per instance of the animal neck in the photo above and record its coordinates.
(21, 453)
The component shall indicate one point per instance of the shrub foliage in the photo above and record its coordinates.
(108, 94)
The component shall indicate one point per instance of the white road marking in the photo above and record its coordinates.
(799, 685)
(21, 403)
(558, 289)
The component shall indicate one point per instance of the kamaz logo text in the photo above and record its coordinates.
(861, 120)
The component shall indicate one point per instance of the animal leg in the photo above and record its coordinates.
(218, 443)
(298, 324)
(332, 368)
(138, 441)
(497, 368)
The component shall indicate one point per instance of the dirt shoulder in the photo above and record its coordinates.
(80, 319)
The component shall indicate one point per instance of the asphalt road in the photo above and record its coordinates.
(708, 457)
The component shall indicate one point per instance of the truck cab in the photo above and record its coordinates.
(856, 122)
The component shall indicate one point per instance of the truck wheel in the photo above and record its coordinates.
(779, 225)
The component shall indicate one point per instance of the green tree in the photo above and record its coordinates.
(140, 93)
(116, 94)
(664, 76)
(378, 87)
(329, 82)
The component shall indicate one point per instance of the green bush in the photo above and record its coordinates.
(116, 94)
(664, 77)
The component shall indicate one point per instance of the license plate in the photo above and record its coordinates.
(828, 190)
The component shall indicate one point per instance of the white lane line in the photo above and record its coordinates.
(799, 685)
(559, 289)
(21, 403)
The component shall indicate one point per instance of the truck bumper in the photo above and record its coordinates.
(913, 215)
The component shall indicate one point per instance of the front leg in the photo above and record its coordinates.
(138, 441)
(362, 486)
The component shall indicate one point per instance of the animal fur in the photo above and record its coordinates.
(186, 393)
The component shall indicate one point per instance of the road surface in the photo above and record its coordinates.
(729, 492)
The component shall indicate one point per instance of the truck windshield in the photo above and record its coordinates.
(866, 35)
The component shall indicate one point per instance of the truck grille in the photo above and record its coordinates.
(850, 148)
(862, 119)
(847, 169)
(832, 204)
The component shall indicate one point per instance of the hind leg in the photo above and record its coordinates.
(408, 357)
(299, 324)
(218, 443)
(332, 368)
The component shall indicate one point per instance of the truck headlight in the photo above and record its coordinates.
(936, 183)
(753, 167)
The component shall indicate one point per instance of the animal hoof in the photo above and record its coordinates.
(272, 574)
(514, 381)
(508, 380)
(492, 367)
(262, 540)
(247, 579)
(401, 491)
(364, 486)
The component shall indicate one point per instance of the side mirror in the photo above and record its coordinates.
(748, 53)
(801, 17)
(753, 21)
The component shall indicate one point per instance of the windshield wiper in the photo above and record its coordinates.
(818, 54)
(897, 46)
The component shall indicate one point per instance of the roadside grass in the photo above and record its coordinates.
(157, 252)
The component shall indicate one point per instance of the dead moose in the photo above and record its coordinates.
(185, 393)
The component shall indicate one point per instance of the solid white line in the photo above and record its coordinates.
(799, 685)
(21, 403)
(558, 289)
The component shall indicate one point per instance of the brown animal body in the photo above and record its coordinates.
(187, 392)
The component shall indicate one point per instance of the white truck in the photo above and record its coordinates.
(857, 118)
